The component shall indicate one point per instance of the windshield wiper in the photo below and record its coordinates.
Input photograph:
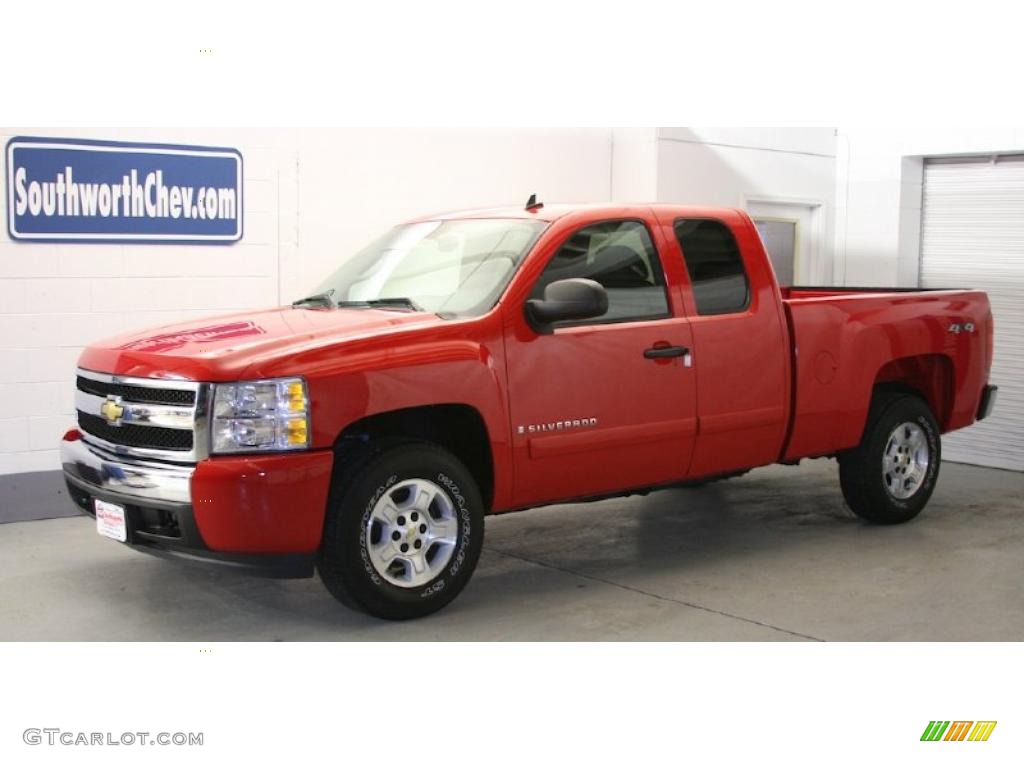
(317, 298)
(398, 302)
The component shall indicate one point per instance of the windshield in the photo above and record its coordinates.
(451, 268)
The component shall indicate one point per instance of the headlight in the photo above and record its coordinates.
(268, 415)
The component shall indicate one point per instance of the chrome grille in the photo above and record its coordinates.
(136, 436)
(138, 394)
(164, 419)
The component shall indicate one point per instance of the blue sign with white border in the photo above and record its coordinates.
(78, 190)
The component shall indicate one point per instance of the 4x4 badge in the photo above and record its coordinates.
(961, 328)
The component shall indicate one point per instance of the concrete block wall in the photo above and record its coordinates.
(56, 298)
(356, 183)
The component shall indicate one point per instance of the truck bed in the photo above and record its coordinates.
(846, 340)
(799, 292)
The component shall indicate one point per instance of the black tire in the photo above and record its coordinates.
(360, 481)
(865, 485)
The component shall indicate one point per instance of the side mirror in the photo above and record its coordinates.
(574, 299)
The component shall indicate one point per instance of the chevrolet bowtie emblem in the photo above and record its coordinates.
(112, 410)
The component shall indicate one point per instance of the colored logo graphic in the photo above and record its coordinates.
(958, 730)
(77, 190)
(167, 341)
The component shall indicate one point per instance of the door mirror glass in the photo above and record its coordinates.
(572, 299)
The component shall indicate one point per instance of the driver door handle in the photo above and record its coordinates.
(655, 353)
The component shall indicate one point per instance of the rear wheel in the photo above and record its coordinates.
(890, 476)
(403, 532)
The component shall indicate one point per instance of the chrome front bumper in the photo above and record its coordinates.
(149, 482)
(158, 505)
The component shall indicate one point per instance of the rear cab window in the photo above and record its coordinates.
(715, 265)
(619, 255)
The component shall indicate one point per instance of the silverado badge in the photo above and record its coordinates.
(555, 426)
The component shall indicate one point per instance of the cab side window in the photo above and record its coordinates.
(713, 260)
(621, 257)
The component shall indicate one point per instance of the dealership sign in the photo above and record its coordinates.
(70, 190)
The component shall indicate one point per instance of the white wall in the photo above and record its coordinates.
(737, 166)
(635, 164)
(354, 184)
(310, 197)
(878, 190)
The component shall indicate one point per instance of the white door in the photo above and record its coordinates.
(972, 236)
(790, 238)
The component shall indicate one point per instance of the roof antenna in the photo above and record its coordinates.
(532, 204)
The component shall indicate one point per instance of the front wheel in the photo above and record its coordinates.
(404, 531)
(890, 476)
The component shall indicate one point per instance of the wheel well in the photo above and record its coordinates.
(927, 376)
(458, 428)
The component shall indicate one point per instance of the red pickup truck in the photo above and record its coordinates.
(486, 361)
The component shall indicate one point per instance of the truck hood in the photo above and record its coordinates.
(223, 348)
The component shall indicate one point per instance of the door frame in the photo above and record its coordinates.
(809, 269)
(797, 230)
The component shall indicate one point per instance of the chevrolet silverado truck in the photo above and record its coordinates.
(480, 362)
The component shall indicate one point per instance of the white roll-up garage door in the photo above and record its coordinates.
(972, 236)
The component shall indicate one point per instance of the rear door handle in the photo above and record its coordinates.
(654, 353)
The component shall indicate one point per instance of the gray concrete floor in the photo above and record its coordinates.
(773, 555)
